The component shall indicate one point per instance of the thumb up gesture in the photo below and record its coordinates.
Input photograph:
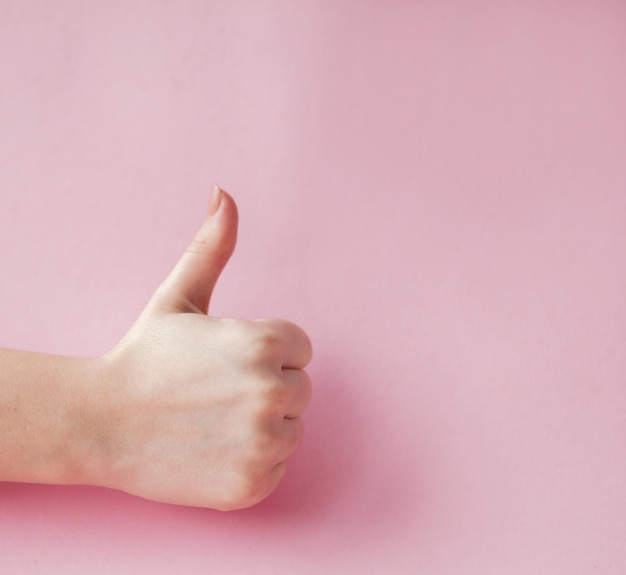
(199, 410)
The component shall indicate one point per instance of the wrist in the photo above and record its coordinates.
(103, 408)
(93, 412)
(44, 425)
(82, 430)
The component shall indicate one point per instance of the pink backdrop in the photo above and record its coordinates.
(436, 191)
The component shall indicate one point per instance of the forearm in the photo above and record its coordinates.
(42, 417)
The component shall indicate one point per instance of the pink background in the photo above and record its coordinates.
(435, 190)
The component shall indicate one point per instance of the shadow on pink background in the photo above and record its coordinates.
(435, 191)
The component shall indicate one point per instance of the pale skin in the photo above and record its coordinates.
(187, 409)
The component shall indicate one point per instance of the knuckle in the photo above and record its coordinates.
(264, 346)
(271, 395)
(257, 344)
(263, 446)
(244, 491)
(198, 246)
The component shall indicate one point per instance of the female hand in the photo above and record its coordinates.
(193, 409)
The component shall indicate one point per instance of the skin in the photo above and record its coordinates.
(187, 409)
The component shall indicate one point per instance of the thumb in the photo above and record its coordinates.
(190, 285)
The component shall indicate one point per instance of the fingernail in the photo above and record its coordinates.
(215, 200)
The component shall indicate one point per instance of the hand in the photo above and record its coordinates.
(198, 410)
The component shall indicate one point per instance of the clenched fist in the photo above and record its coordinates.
(198, 410)
(186, 409)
